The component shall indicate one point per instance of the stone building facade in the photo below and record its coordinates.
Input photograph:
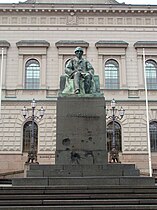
(46, 32)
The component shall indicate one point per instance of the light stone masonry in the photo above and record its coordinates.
(90, 24)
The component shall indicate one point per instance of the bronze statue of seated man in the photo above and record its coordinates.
(81, 72)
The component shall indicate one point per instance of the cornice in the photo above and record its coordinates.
(32, 43)
(111, 43)
(4, 43)
(70, 43)
(146, 44)
(75, 8)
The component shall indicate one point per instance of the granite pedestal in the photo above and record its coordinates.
(81, 156)
(81, 131)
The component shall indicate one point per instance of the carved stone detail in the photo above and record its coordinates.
(76, 19)
(72, 20)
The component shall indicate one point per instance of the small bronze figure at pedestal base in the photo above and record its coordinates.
(114, 156)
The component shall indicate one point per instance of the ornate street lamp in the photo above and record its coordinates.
(32, 154)
(114, 153)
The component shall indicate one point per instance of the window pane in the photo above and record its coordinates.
(117, 136)
(111, 74)
(32, 78)
(153, 135)
(151, 74)
(27, 134)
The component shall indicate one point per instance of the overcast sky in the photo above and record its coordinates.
(120, 1)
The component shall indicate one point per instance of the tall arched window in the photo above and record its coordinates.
(32, 74)
(27, 134)
(118, 139)
(151, 74)
(153, 135)
(111, 74)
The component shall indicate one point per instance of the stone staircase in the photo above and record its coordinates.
(81, 178)
(73, 197)
(71, 187)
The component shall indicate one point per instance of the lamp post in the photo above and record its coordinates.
(114, 156)
(32, 154)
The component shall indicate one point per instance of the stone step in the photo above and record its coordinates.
(94, 180)
(36, 170)
(82, 207)
(71, 167)
(72, 202)
(76, 196)
(5, 181)
(78, 189)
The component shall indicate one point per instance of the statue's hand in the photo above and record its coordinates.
(86, 74)
(83, 74)
(79, 69)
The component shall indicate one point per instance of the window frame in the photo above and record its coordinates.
(151, 85)
(148, 50)
(26, 145)
(28, 49)
(32, 83)
(110, 72)
(151, 141)
(118, 142)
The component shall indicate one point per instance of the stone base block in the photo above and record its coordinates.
(81, 157)
(82, 170)
(87, 181)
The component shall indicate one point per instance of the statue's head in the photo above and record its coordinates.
(79, 52)
(78, 49)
